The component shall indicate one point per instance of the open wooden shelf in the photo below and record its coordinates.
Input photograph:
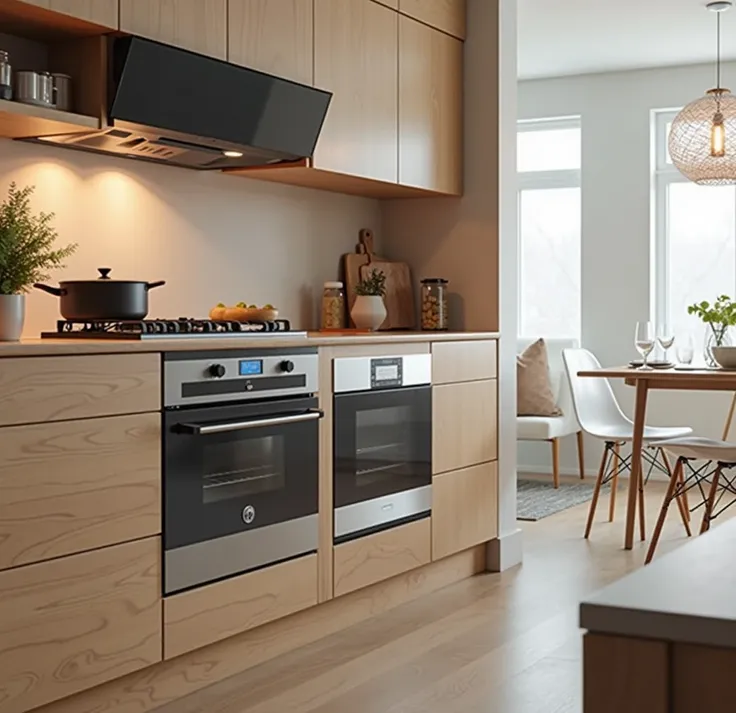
(22, 121)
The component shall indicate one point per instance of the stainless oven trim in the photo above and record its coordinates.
(354, 373)
(205, 429)
(379, 511)
(210, 560)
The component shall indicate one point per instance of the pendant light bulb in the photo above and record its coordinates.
(718, 137)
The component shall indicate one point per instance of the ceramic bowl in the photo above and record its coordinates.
(725, 357)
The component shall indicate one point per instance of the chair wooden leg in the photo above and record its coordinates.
(581, 455)
(681, 502)
(708, 512)
(597, 490)
(642, 513)
(663, 511)
(614, 482)
(556, 462)
(683, 498)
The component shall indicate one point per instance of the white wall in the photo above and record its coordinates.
(213, 238)
(616, 110)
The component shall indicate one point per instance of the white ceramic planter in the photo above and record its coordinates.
(12, 316)
(368, 312)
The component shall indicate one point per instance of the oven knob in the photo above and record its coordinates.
(217, 371)
(287, 365)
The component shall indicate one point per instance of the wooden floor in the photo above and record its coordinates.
(498, 643)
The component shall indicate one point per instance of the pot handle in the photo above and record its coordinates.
(158, 283)
(56, 291)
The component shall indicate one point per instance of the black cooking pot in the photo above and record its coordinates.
(103, 298)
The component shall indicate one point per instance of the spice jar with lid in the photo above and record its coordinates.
(333, 306)
(434, 303)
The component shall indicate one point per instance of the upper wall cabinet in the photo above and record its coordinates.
(430, 108)
(197, 25)
(355, 57)
(101, 12)
(274, 36)
(393, 4)
(445, 15)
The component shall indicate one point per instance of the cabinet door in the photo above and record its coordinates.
(464, 424)
(274, 36)
(430, 108)
(76, 622)
(445, 15)
(464, 509)
(196, 25)
(355, 56)
(101, 12)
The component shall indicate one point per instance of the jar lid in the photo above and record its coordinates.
(333, 285)
(434, 281)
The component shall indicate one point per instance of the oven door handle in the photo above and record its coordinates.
(199, 429)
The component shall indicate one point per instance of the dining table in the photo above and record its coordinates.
(644, 381)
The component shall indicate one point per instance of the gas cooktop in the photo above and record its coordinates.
(183, 327)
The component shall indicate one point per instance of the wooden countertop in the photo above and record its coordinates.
(60, 347)
(688, 595)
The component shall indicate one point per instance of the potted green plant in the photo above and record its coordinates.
(26, 254)
(718, 317)
(369, 310)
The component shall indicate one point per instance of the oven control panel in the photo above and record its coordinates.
(390, 372)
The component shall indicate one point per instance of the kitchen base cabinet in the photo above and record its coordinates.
(75, 622)
(373, 558)
(464, 509)
(453, 362)
(217, 611)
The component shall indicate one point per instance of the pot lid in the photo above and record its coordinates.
(103, 278)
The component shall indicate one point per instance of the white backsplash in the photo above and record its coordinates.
(213, 238)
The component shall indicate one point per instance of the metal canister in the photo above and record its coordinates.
(34, 88)
(62, 91)
(6, 76)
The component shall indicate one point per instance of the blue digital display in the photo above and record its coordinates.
(251, 367)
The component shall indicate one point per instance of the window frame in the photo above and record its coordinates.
(541, 180)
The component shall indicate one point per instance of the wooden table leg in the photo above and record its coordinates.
(640, 414)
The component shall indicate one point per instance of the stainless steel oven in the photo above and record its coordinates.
(240, 462)
(382, 442)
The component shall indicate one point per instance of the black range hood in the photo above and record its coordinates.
(173, 106)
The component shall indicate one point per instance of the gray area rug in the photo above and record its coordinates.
(537, 499)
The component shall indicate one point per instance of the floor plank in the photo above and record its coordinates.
(499, 643)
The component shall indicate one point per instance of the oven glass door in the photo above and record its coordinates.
(233, 468)
(383, 443)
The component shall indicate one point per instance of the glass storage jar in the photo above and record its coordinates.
(434, 303)
(333, 306)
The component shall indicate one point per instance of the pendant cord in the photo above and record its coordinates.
(718, 50)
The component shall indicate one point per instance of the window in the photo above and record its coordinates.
(549, 156)
(695, 240)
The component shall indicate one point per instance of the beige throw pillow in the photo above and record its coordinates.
(534, 395)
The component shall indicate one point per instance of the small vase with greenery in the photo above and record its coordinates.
(369, 310)
(26, 255)
(718, 317)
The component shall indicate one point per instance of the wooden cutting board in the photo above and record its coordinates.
(399, 298)
(352, 262)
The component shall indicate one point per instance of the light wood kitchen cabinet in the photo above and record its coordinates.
(75, 622)
(464, 425)
(430, 108)
(355, 56)
(196, 25)
(445, 15)
(100, 12)
(464, 509)
(274, 36)
(72, 486)
(393, 4)
(453, 362)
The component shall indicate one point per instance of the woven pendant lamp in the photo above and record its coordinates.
(702, 140)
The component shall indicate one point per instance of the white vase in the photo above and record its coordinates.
(12, 316)
(368, 312)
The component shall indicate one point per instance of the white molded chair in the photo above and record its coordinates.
(600, 416)
(552, 428)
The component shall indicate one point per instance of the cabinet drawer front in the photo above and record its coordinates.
(34, 390)
(464, 509)
(73, 486)
(463, 425)
(453, 362)
(374, 558)
(76, 622)
(202, 616)
(445, 15)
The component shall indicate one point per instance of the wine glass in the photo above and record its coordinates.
(644, 342)
(665, 338)
(685, 349)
